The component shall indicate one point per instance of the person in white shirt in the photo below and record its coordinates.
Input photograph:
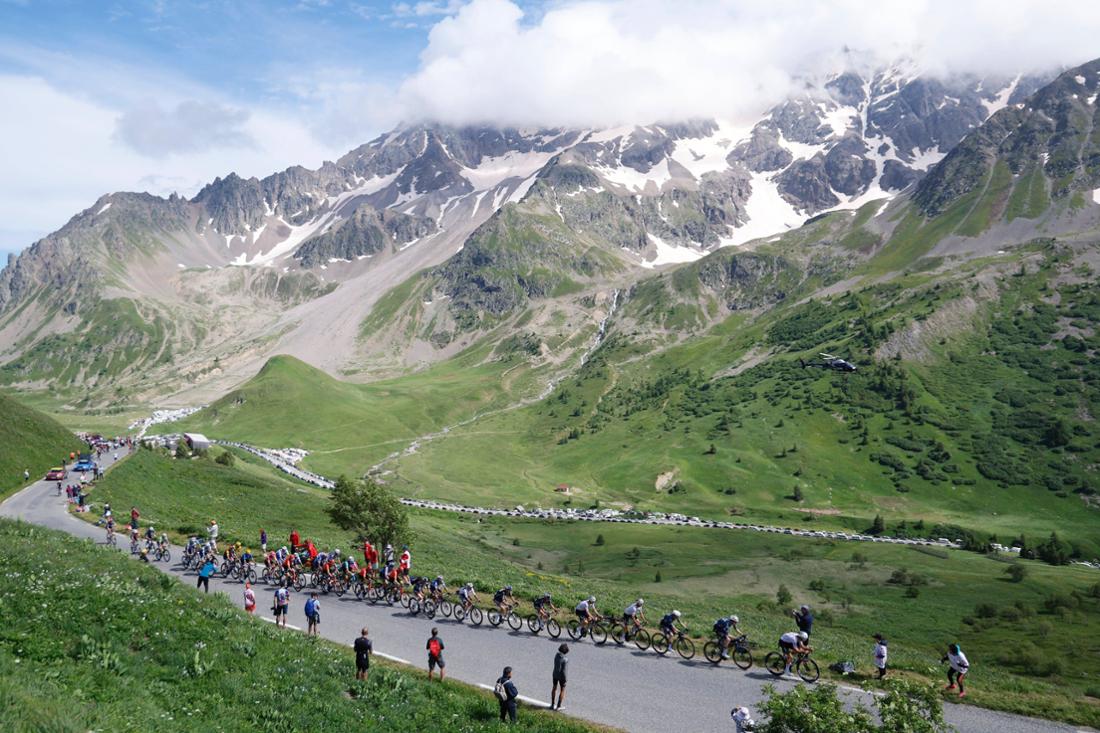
(880, 655)
(742, 720)
(212, 531)
(958, 668)
(633, 617)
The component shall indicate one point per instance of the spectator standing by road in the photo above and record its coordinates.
(506, 693)
(249, 598)
(205, 572)
(363, 649)
(282, 603)
(295, 540)
(435, 649)
(561, 662)
(805, 620)
(313, 614)
(26, 474)
(263, 539)
(212, 532)
(742, 720)
(134, 516)
(881, 652)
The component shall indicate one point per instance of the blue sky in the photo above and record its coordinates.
(163, 95)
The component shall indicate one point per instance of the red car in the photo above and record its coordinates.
(56, 474)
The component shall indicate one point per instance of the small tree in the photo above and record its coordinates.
(599, 540)
(369, 511)
(657, 577)
(1016, 572)
(907, 707)
(226, 459)
(797, 495)
(878, 526)
(783, 596)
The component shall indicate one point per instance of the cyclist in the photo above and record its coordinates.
(387, 554)
(110, 529)
(958, 667)
(587, 613)
(633, 618)
(246, 557)
(504, 601)
(349, 567)
(150, 535)
(419, 585)
(162, 543)
(791, 643)
(544, 606)
(722, 629)
(467, 595)
(437, 587)
(668, 624)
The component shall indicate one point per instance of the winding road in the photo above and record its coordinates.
(619, 687)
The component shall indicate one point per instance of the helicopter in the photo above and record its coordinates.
(828, 361)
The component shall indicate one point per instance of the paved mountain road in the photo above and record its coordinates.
(621, 687)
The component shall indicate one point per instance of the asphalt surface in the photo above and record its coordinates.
(615, 686)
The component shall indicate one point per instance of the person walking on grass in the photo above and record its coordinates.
(881, 653)
(26, 474)
(435, 649)
(263, 539)
(959, 667)
(249, 598)
(561, 661)
(205, 572)
(506, 694)
(313, 614)
(282, 603)
(363, 649)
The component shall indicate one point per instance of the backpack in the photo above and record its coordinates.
(500, 691)
(434, 647)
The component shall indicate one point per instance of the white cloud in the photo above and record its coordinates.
(61, 152)
(643, 60)
(191, 126)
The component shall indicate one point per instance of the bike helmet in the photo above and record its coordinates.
(591, 599)
(677, 614)
(734, 619)
(469, 586)
(508, 588)
(804, 609)
(336, 552)
(803, 635)
(640, 602)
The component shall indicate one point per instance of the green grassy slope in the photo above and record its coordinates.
(857, 588)
(93, 642)
(29, 440)
(351, 426)
(985, 425)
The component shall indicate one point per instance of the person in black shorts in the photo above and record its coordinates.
(435, 654)
(363, 650)
(561, 661)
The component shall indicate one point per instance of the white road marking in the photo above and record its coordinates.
(528, 700)
(392, 658)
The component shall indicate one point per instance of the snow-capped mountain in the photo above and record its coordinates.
(296, 261)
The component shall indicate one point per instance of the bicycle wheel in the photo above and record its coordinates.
(599, 634)
(494, 617)
(476, 616)
(339, 588)
(515, 622)
(534, 623)
(553, 628)
(429, 608)
(298, 583)
(742, 657)
(685, 647)
(573, 628)
(712, 652)
(618, 633)
(414, 606)
(446, 608)
(405, 599)
(660, 644)
(459, 612)
(642, 639)
(808, 671)
(775, 663)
